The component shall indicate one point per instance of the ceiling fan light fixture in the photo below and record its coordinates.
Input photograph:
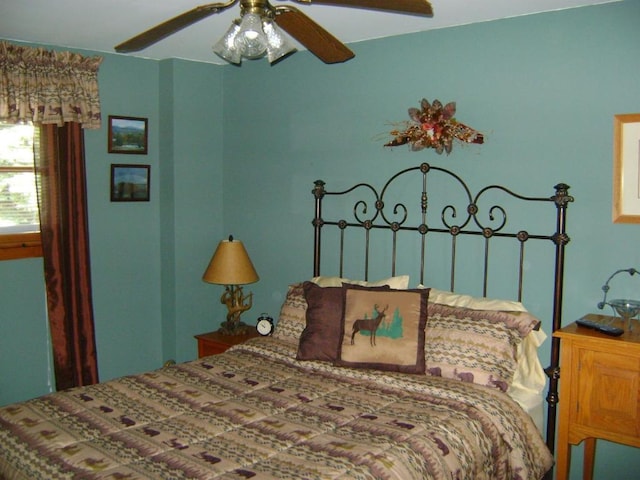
(278, 45)
(251, 40)
(225, 48)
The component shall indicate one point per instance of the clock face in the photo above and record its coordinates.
(264, 326)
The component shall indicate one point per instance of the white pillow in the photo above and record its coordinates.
(476, 303)
(529, 373)
(398, 283)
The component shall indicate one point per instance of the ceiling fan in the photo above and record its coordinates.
(257, 32)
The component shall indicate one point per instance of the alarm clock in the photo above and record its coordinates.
(264, 325)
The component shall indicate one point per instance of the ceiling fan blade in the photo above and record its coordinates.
(319, 42)
(413, 7)
(157, 33)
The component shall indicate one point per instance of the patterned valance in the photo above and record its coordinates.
(45, 86)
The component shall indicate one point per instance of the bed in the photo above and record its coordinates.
(361, 379)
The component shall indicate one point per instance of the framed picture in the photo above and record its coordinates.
(626, 168)
(127, 135)
(130, 183)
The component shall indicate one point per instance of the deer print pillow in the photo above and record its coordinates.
(383, 329)
(321, 336)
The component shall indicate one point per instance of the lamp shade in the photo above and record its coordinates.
(251, 39)
(225, 47)
(230, 265)
(277, 43)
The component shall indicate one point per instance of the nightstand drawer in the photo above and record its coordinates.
(214, 343)
(607, 392)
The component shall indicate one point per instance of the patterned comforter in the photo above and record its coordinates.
(256, 412)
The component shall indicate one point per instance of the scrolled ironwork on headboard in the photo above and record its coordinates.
(467, 216)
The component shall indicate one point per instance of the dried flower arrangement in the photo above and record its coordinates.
(433, 126)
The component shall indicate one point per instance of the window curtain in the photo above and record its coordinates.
(45, 86)
(60, 174)
(58, 92)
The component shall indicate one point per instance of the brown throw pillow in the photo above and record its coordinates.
(320, 337)
(383, 330)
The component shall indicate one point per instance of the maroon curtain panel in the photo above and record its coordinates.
(60, 167)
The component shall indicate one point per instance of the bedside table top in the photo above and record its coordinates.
(230, 340)
(575, 330)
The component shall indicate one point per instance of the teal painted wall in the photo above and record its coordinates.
(241, 156)
(542, 88)
(25, 359)
(125, 240)
(198, 185)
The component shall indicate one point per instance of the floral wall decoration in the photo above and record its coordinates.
(433, 126)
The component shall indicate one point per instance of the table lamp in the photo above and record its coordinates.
(626, 308)
(231, 266)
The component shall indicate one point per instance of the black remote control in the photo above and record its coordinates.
(606, 329)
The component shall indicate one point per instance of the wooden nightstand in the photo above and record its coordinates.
(214, 343)
(599, 391)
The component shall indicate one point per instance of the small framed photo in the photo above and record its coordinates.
(626, 168)
(127, 135)
(130, 183)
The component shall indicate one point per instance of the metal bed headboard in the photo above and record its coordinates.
(455, 225)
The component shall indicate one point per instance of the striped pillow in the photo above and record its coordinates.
(477, 346)
(292, 316)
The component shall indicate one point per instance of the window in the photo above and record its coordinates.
(19, 222)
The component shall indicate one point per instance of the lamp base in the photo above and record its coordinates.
(234, 328)
(236, 302)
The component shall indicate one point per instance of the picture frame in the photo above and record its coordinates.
(626, 168)
(127, 135)
(130, 183)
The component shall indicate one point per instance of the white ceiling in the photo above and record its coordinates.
(99, 25)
